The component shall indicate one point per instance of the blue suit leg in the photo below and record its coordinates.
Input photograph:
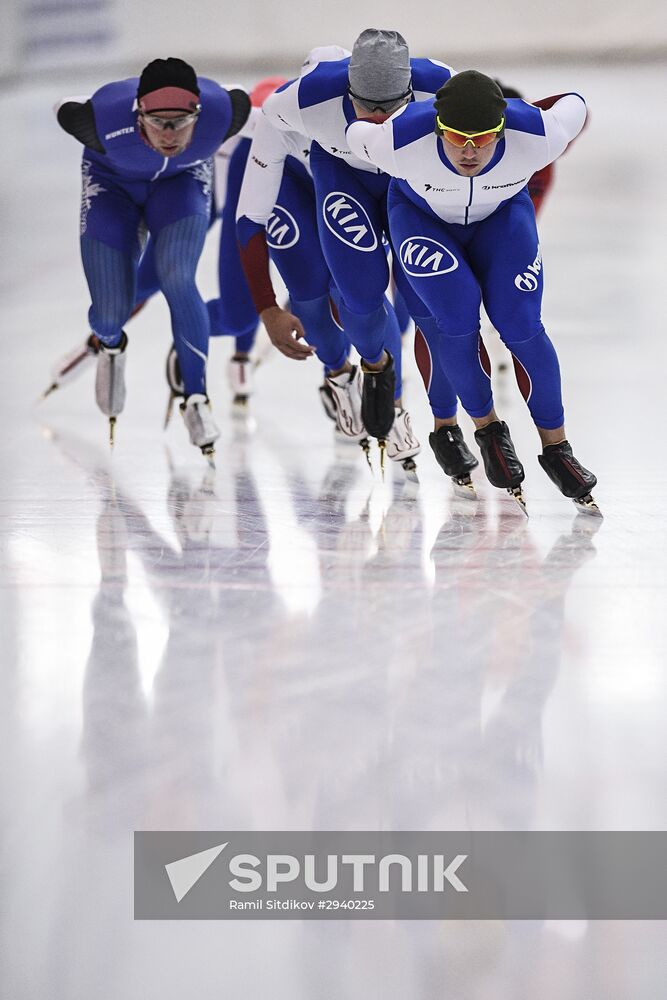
(443, 279)
(402, 312)
(147, 280)
(439, 389)
(233, 314)
(350, 223)
(294, 246)
(506, 256)
(110, 247)
(177, 214)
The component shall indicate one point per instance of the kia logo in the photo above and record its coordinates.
(282, 230)
(346, 218)
(423, 257)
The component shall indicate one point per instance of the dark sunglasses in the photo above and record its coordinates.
(386, 107)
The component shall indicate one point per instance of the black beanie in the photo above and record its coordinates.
(470, 102)
(508, 91)
(169, 72)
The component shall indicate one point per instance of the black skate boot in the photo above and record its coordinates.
(377, 403)
(503, 468)
(572, 479)
(454, 458)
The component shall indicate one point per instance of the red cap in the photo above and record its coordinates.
(264, 88)
(170, 99)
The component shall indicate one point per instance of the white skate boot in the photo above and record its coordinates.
(327, 399)
(110, 382)
(241, 377)
(202, 428)
(73, 364)
(346, 392)
(402, 443)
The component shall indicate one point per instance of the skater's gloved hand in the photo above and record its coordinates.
(284, 331)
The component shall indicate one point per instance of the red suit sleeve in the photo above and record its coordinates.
(547, 102)
(255, 262)
(539, 186)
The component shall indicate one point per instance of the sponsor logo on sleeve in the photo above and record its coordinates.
(347, 219)
(423, 257)
(282, 230)
(429, 187)
(120, 131)
(258, 162)
(529, 280)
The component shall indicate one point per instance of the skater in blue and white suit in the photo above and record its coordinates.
(464, 227)
(277, 218)
(373, 83)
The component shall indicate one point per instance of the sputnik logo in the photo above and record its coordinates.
(186, 872)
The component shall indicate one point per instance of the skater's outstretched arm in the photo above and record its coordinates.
(259, 192)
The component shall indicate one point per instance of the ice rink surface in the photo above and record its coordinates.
(289, 643)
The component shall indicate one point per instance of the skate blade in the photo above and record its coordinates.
(241, 412)
(409, 467)
(112, 431)
(463, 488)
(382, 445)
(365, 446)
(517, 494)
(170, 410)
(208, 451)
(47, 392)
(587, 505)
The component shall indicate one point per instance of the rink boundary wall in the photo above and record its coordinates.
(227, 69)
(260, 35)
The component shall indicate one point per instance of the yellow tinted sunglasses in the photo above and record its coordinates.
(478, 139)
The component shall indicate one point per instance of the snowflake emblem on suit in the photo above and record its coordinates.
(89, 188)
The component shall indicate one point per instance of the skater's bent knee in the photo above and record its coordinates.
(513, 334)
(175, 282)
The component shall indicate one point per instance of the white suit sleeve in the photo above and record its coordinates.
(283, 111)
(563, 122)
(263, 173)
(373, 143)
